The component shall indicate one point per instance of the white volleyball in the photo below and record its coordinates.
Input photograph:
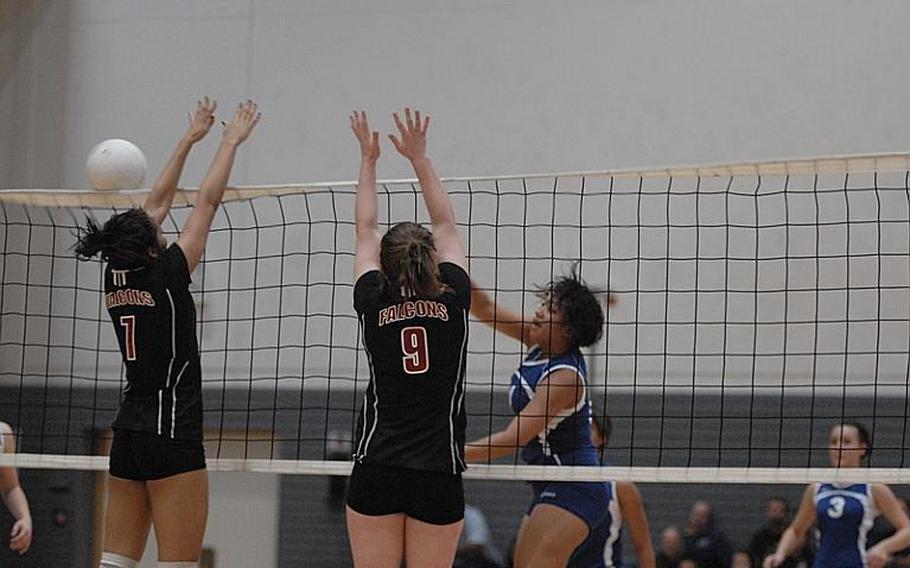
(116, 164)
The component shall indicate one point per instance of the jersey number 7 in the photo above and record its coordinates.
(416, 358)
(129, 336)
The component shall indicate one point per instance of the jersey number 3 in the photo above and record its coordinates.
(129, 336)
(836, 510)
(416, 358)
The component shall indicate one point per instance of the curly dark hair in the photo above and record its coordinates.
(582, 312)
(124, 240)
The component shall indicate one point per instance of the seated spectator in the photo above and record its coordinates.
(671, 550)
(764, 541)
(706, 545)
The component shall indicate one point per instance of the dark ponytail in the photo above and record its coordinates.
(124, 241)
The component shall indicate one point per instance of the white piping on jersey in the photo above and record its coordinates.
(524, 386)
(170, 365)
(455, 392)
(535, 362)
(557, 420)
(615, 525)
(869, 511)
(365, 440)
(119, 277)
(174, 399)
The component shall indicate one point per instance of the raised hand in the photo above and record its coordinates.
(245, 118)
(369, 141)
(413, 141)
(201, 120)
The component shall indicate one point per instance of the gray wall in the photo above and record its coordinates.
(513, 87)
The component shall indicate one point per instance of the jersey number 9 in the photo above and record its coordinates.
(416, 358)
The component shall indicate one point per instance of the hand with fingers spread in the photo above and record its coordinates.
(201, 120)
(413, 141)
(245, 118)
(369, 140)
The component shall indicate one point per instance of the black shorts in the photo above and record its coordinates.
(430, 496)
(143, 456)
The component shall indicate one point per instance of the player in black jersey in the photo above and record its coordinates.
(157, 467)
(412, 295)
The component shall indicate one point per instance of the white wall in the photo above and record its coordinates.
(513, 87)
(242, 524)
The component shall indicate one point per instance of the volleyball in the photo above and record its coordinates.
(115, 164)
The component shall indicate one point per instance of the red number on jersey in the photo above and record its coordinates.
(416, 358)
(129, 336)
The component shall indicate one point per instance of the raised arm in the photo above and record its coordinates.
(158, 202)
(795, 535)
(196, 231)
(887, 503)
(560, 391)
(503, 320)
(20, 538)
(412, 144)
(367, 239)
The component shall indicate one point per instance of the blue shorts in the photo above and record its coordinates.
(589, 501)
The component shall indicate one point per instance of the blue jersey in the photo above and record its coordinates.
(844, 515)
(603, 546)
(567, 438)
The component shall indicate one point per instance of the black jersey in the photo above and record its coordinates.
(155, 320)
(413, 409)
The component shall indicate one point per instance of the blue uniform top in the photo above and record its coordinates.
(567, 438)
(844, 514)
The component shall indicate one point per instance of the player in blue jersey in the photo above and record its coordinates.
(843, 512)
(552, 426)
(603, 546)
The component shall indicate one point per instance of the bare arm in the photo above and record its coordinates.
(158, 202)
(503, 320)
(795, 534)
(413, 145)
(196, 231)
(558, 392)
(633, 513)
(887, 503)
(14, 497)
(366, 247)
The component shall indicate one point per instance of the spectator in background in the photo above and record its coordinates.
(20, 538)
(688, 563)
(672, 549)
(741, 559)
(707, 546)
(764, 541)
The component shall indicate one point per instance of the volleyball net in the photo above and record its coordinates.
(756, 306)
